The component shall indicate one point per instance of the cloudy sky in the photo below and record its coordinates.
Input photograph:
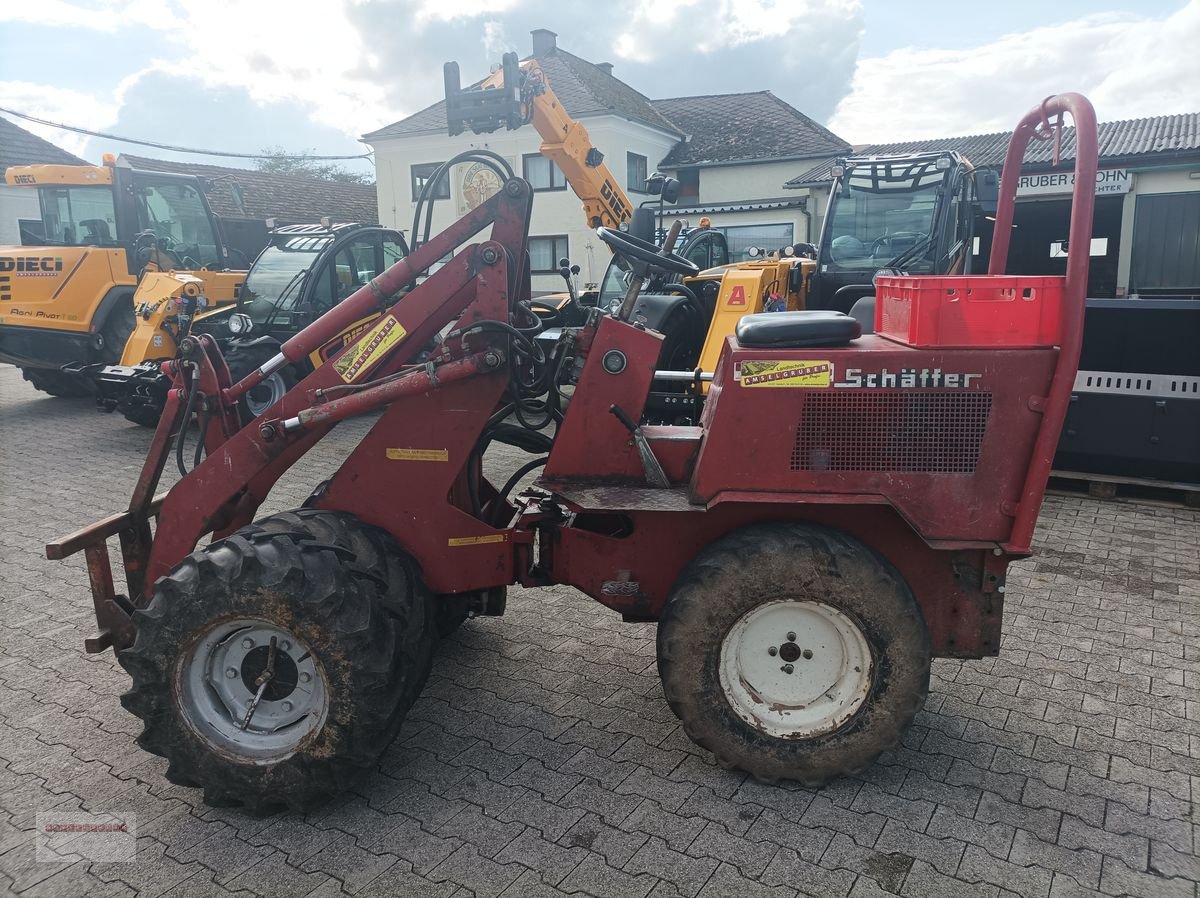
(313, 76)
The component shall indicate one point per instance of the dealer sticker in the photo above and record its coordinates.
(785, 373)
(369, 348)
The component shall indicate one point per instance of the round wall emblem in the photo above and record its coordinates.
(479, 183)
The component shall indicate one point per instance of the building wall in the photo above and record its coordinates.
(555, 213)
(16, 203)
(559, 212)
(746, 181)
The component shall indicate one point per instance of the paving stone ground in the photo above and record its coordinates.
(542, 759)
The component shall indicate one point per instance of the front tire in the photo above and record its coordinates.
(352, 633)
(116, 331)
(266, 394)
(793, 652)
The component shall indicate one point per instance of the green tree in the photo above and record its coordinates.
(279, 161)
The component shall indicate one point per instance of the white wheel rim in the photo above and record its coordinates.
(265, 395)
(795, 670)
(215, 688)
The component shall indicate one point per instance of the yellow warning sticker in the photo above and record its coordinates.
(786, 373)
(419, 454)
(476, 540)
(370, 347)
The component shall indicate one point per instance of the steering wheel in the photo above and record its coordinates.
(646, 252)
(889, 239)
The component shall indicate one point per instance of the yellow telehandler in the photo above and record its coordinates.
(67, 292)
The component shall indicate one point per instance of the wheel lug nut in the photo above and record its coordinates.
(287, 706)
(247, 643)
(231, 672)
(787, 668)
(305, 677)
(791, 637)
(285, 645)
(772, 651)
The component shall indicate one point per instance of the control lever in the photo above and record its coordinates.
(655, 475)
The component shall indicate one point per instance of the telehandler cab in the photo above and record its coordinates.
(845, 509)
(67, 293)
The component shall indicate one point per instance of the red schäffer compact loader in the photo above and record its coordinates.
(845, 511)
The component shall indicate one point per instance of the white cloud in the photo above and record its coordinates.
(1129, 66)
(58, 104)
(109, 16)
(355, 65)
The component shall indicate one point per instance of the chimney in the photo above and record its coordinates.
(544, 43)
(605, 67)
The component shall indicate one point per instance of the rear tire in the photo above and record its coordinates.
(56, 383)
(793, 652)
(142, 415)
(354, 634)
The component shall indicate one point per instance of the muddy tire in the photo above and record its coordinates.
(352, 628)
(56, 383)
(116, 330)
(793, 652)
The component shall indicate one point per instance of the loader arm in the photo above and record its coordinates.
(518, 94)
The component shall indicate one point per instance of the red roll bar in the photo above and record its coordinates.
(1036, 124)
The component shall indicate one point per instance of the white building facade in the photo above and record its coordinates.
(738, 188)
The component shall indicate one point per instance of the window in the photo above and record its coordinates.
(542, 173)
(708, 250)
(31, 231)
(770, 237)
(544, 253)
(394, 249)
(174, 210)
(1164, 226)
(278, 276)
(689, 184)
(353, 265)
(636, 172)
(421, 174)
(884, 210)
(78, 216)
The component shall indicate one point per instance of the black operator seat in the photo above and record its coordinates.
(814, 327)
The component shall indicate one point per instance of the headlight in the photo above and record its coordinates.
(240, 324)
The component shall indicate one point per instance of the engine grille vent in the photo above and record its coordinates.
(926, 431)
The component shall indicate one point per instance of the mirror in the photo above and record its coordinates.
(987, 190)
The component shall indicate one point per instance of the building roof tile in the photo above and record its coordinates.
(584, 88)
(725, 128)
(21, 147)
(245, 193)
(1143, 139)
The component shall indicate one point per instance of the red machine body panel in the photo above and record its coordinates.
(633, 572)
(877, 418)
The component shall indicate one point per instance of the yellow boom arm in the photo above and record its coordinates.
(564, 141)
